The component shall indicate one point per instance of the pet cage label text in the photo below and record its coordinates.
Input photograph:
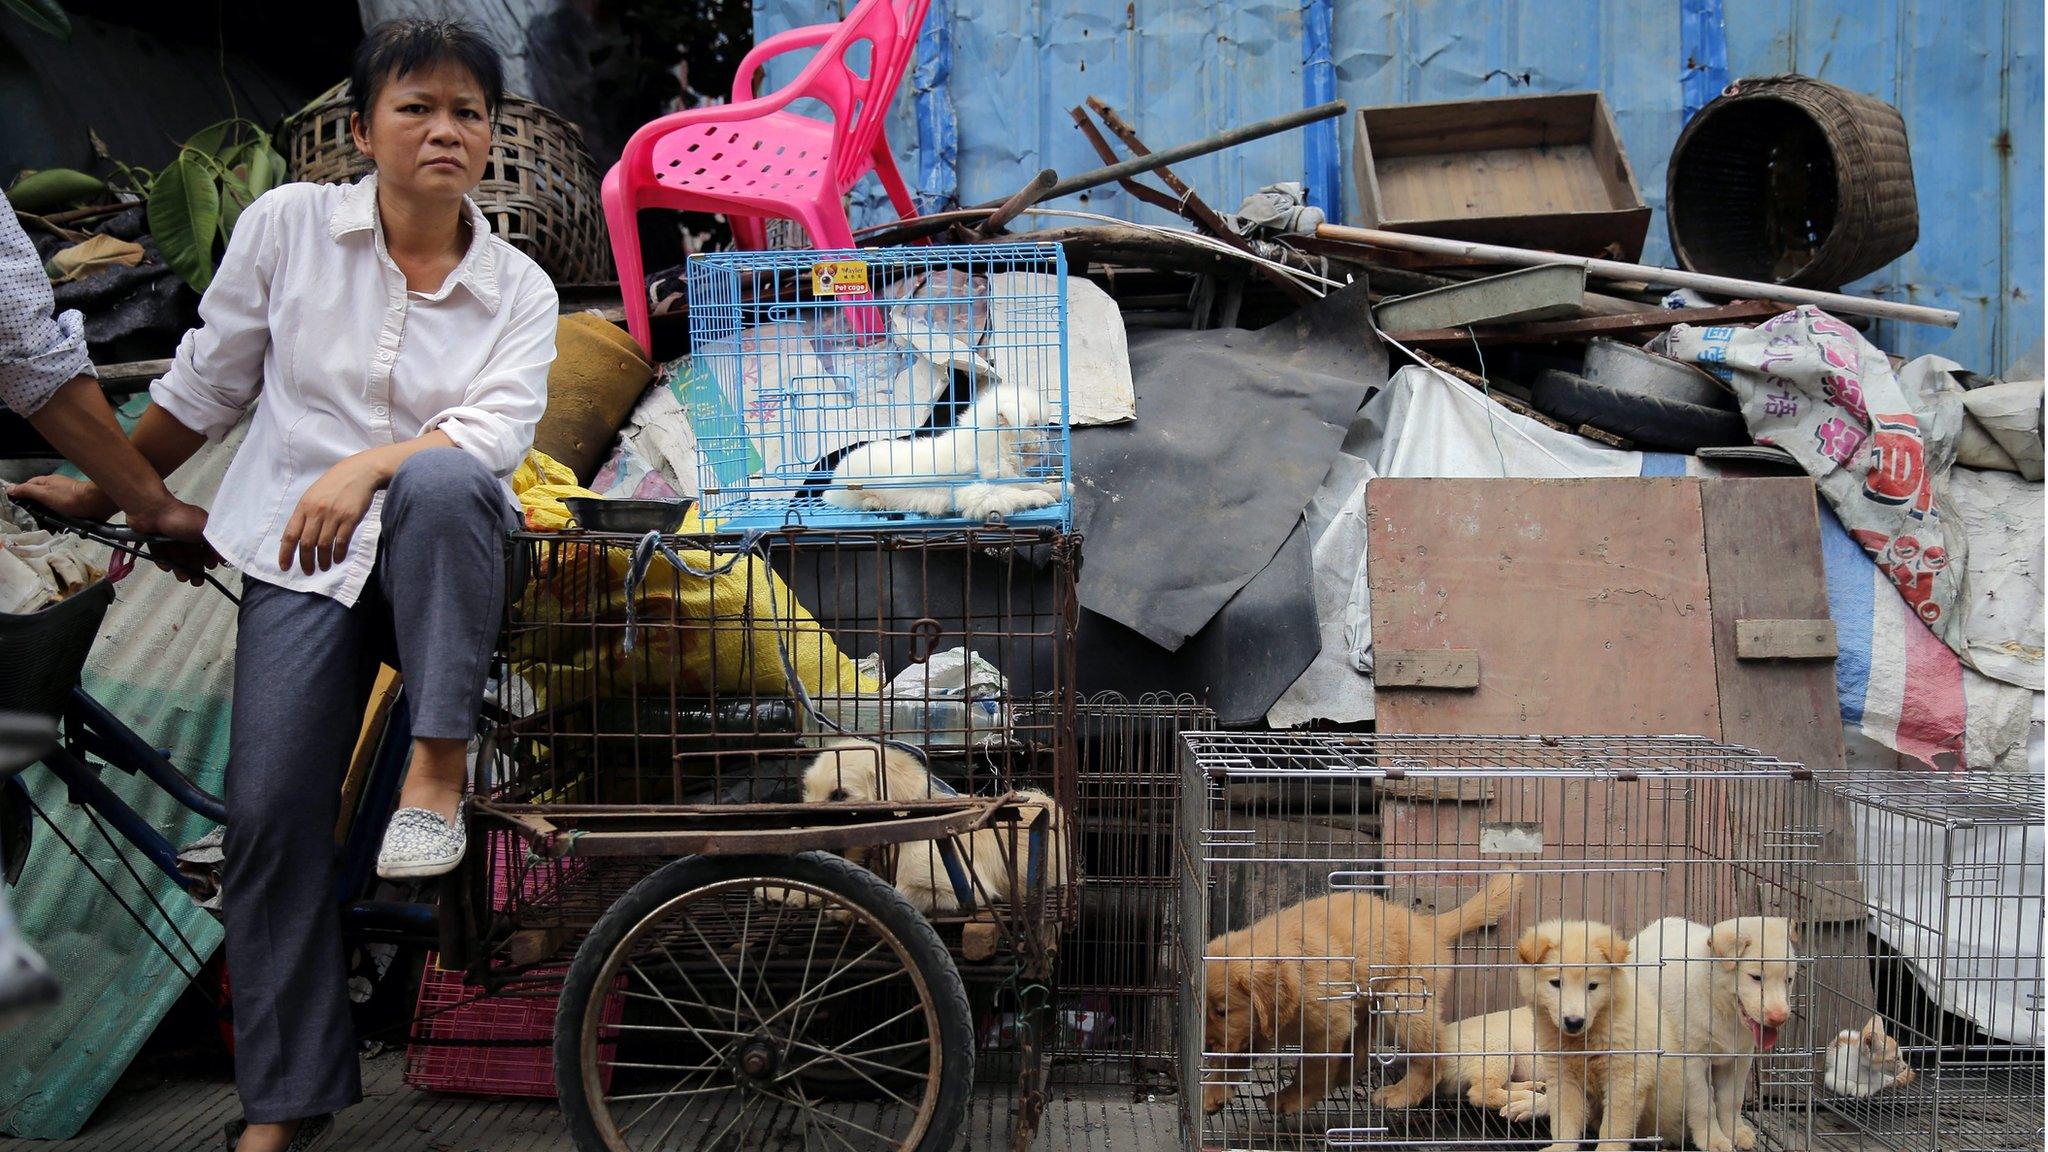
(839, 278)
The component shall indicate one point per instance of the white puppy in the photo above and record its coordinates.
(997, 859)
(974, 470)
(1723, 993)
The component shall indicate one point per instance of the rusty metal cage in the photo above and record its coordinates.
(1932, 1009)
(668, 696)
(1374, 920)
(681, 724)
(1119, 966)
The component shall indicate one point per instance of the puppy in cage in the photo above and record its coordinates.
(1593, 1031)
(1866, 1062)
(1296, 978)
(1696, 1005)
(1723, 993)
(1493, 1057)
(999, 860)
(978, 469)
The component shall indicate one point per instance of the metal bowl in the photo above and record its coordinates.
(628, 517)
(1623, 367)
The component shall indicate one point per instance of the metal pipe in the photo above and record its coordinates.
(1225, 139)
(1669, 277)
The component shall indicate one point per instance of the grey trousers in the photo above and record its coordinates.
(304, 665)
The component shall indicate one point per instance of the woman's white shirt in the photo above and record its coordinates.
(309, 311)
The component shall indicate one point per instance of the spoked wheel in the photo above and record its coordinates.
(769, 1002)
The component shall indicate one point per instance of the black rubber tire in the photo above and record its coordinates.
(850, 882)
(1650, 421)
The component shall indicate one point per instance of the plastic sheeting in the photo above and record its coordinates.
(164, 664)
(1966, 74)
(1235, 431)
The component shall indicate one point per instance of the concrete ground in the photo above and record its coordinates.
(153, 1112)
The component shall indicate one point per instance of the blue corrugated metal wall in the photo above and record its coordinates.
(1966, 74)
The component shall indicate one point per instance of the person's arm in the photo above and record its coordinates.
(494, 423)
(503, 405)
(79, 423)
(218, 371)
(214, 377)
(45, 376)
(328, 514)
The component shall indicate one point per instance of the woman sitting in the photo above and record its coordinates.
(400, 352)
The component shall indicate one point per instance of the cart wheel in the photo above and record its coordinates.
(747, 985)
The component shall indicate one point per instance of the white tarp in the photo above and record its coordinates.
(1962, 904)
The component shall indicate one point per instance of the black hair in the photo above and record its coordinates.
(398, 47)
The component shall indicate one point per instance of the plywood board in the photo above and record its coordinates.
(1586, 601)
(1764, 561)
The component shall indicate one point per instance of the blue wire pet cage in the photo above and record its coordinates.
(911, 388)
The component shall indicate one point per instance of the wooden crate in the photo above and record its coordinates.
(1533, 171)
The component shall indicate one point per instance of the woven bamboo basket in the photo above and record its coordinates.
(539, 191)
(1793, 180)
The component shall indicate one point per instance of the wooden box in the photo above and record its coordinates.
(1531, 171)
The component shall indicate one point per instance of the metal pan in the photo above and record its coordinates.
(1621, 367)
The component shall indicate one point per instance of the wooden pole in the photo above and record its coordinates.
(1669, 277)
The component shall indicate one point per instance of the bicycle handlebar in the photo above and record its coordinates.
(100, 530)
(119, 537)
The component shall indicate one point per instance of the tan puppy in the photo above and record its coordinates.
(1574, 974)
(1723, 992)
(996, 859)
(1262, 993)
(1492, 1056)
(1865, 1063)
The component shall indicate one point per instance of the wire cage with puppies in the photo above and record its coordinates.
(913, 386)
(1492, 942)
(1929, 1008)
(800, 801)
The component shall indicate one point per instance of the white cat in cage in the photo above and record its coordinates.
(979, 469)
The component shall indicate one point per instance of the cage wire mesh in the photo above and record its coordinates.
(916, 385)
(1402, 940)
(768, 685)
(756, 682)
(1120, 965)
(1931, 1016)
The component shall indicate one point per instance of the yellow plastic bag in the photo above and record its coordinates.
(691, 635)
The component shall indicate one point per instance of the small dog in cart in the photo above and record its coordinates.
(997, 860)
(975, 471)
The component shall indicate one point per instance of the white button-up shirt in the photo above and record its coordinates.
(309, 309)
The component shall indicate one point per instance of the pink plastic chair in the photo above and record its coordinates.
(753, 158)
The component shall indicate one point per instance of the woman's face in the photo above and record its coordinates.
(427, 133)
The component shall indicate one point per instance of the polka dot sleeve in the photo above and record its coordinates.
(38, 352)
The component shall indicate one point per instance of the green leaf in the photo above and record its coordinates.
(208, 140)
(234, 196)
(53, 188)
(184, 214)
(47, 15)
(266, 169)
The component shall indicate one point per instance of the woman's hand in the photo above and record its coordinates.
(77, 499)
(329, 512)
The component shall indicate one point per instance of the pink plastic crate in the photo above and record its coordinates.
(501, 1044)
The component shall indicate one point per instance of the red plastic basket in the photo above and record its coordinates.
(495, 1045)
(500, 1044)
